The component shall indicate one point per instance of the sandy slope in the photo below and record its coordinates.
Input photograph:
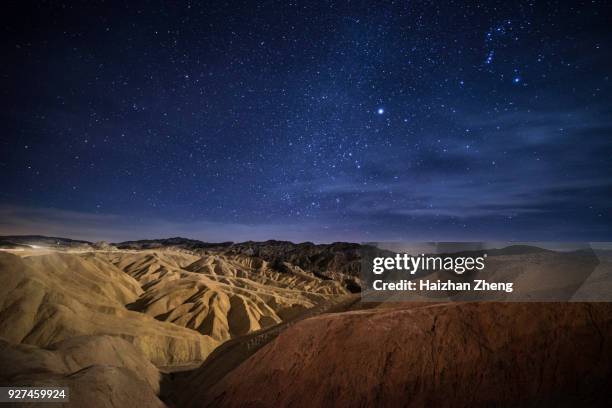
(105, 322)
(101, 371)
(49, 298)
(220, 296)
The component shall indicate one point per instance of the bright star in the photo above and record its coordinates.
(380, 111)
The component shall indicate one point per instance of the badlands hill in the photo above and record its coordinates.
(457, 354)
(122, 316)
(183, 323)
(337, 261)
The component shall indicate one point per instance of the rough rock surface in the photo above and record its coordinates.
(101, 371)
(73, 355)
(97, 387)
(467, 354)
(338, 261)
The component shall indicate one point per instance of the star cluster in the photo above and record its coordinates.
(308, 120)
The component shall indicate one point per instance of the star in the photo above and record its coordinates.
(301, 102)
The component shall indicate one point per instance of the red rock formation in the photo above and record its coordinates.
(440, 355)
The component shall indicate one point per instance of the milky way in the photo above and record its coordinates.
(318, 121)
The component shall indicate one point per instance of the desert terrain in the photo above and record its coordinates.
(183, 323)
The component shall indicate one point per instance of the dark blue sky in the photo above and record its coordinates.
(314, 121)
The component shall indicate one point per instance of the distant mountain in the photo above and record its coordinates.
(517, 250)
(17, 241)
(331, 261)
(180, 242)
(509, 250)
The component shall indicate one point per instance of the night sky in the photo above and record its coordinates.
(320, 121)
